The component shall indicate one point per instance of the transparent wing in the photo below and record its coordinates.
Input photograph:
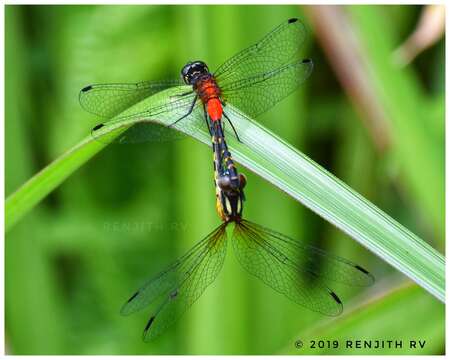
(109, 100)
(258, 77)
(298, 271)
(181, 284)
(274, 50)
(257, 94)
(142, 132)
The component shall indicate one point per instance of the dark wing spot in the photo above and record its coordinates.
(293, 20)
(131, 298)
(361, 269)
(87, 88)
(370, 278)
(335, 297)
(150, 322)
(306, 61)
(99, 126)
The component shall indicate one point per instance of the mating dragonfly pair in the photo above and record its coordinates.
(253, 81)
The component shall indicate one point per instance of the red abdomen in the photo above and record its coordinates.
(214, 108)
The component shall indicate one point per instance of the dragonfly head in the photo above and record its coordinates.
(193, 70)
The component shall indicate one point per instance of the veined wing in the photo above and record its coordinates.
(274, 50)
(181, 284)
(298, 271)
(109, 100)
(257, 94)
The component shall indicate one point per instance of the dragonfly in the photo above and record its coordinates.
(253, 81)
(297, 270)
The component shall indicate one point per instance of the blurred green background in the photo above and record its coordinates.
(74, 260)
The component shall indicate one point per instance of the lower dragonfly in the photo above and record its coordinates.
(299, 271)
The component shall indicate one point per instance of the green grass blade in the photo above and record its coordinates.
(40, 185)
(285, 167)
(19, 203)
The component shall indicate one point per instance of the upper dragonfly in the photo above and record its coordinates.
(253, 81)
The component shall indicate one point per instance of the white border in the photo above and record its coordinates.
(229, 2)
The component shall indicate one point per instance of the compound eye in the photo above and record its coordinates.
(200, 67)
(242, 181)
(185, 72)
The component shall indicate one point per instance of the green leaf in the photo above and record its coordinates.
(40, 185)
(282, 165)
(19, 203)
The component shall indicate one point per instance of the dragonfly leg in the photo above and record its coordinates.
(232, 126)
(187, 114)
(183, 94)
(206, 121)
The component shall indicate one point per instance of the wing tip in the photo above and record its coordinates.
(147, 328)
(86, 88)
(125, 311)
(292, 20)
(370, 278)
(97, 127)
(360, 268)
(133, 296)
(335, 297)
(338, 301)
